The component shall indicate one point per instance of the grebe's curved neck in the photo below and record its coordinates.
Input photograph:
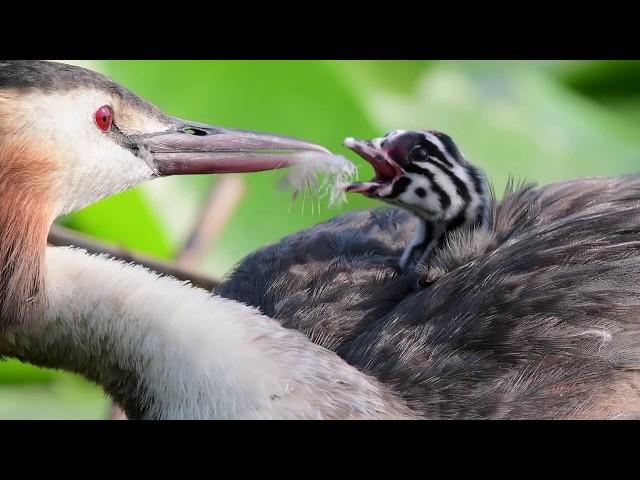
(166, 350)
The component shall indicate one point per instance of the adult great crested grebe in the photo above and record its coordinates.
(160, 348)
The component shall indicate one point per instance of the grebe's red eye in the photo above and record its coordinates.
(104, 118)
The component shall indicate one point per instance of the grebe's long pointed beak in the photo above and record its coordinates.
(197, 149)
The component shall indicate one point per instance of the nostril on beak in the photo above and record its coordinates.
(195, 131)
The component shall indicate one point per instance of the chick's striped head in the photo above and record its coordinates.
(422, 171)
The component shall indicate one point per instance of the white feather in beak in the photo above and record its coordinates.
(320, 174)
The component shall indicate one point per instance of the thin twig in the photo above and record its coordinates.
(61, 236)
(224, 197)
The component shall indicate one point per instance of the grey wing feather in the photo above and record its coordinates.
(539, 317)
(543, 323)
(330, 281)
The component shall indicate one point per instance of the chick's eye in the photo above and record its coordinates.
(104, 118)
(419, 154)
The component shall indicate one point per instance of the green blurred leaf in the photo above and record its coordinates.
(126, 220)
(68, 399)
(603, 79)
(15, 372)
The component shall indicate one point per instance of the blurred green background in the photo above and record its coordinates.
(542, 121)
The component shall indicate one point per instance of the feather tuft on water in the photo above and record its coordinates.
(320, 174)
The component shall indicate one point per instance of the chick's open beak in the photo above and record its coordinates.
(386, 170)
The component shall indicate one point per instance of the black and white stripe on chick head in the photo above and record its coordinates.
(424, 171)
